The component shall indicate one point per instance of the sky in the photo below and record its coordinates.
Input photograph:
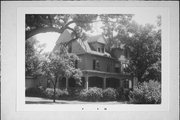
(50, 38)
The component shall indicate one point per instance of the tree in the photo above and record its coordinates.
(115, 28)
(33, 58)
(143, 42)
(145, 61)
(40, 23)
(59, 64)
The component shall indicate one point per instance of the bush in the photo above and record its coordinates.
(109, 94)
(60, 94)
(33, 92)
(93, 94)
(122, 94)
(49, 93)
(146, 93)
(74, 92)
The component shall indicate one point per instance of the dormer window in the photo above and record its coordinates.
(99, 49)
(102, 49)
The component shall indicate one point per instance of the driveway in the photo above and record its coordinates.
(37, 100)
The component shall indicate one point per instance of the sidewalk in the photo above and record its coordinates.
(37, 100)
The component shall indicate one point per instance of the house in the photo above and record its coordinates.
(100, 69)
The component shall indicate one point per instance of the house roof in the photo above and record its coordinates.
(97, 38)
(66, 37)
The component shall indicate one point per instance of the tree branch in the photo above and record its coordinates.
(42, 30)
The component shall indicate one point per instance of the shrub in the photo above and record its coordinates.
(146, 93)
(60, 94)
(33, 92)
(93, 94)
(122, 94)
(109, 94)
(74, 92)
(49, 93)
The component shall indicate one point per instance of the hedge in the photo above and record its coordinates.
(146, 93)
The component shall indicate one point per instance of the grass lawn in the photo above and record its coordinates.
(38, 100)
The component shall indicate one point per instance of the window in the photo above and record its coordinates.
(102, 49)
(99, 49)
(96, 65)
(117, 70)
(117, 67)
(108, 68)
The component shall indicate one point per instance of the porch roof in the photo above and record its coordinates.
(105, 74)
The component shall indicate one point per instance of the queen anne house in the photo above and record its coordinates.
(99, 68)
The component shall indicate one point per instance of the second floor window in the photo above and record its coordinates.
(108, 68)
(96, 65)
(117, 69)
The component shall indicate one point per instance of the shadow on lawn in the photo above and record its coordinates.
(44, 102)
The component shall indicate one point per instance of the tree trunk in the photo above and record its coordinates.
(54, 96)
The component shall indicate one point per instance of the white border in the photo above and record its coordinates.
(21, 106)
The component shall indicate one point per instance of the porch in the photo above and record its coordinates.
(92, 78)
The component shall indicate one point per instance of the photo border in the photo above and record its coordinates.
(21, 106)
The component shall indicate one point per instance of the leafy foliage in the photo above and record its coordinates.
(34, 92)
(146, 93)
(60, 94)
(61, 64)
(40, 23)
(33, 58)
(93, 94)
(143, 42)
(109, 94)
(122, 94)
(145, 46)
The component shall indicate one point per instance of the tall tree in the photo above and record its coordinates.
(115, 28)
(144, 43)
(33, 58)
(40, 23)
(59, 64)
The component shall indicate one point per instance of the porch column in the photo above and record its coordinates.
(130, 84)
(104, 83)
(86, 82)
(67, 83)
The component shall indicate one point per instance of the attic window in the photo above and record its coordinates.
(99, 49)
(102, 49)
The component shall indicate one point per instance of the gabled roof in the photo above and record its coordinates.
(85, 44)
(97, 38)
(64, 37)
